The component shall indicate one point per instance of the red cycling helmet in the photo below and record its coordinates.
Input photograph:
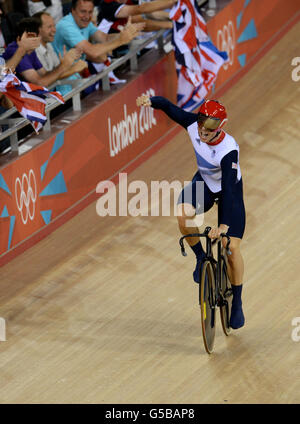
(212, 115)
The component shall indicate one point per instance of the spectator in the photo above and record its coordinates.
(77, 30)
(53, 7)
(46, 54)
(30, 68)
(8, 22)
(15, 6)
(25, 45)
(45, 51)
(5, 103)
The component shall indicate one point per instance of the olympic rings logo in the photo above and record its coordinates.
(26, 195)
(226, 42)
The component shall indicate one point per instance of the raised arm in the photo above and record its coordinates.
(95, 52)
(148, 7)
(25, 44)
(153, 24)
(75, 64)
(44, 78)
(174, 112)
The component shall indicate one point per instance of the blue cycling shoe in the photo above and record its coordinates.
(197, 271)
(237, 319)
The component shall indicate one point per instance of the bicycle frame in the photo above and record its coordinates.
(219, 297)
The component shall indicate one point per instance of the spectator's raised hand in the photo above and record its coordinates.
(130, 31)
(74, 53)
(28, 43)
(79, 66)
(69, 57)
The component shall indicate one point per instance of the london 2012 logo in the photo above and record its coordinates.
(26, 195)
(226, 42)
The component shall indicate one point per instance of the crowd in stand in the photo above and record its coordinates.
(46, 41)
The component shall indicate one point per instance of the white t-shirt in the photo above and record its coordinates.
(47, 57)
(56, 10)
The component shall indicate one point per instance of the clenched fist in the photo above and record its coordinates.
(130, 31)
(143, 100)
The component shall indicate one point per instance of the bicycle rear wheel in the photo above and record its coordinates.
(225, 308)
(207, 305)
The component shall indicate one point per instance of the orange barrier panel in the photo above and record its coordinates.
(245, 27)
(46, 183)
(52, 182)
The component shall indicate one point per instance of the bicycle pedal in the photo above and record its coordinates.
(222, 302)
(228, 293)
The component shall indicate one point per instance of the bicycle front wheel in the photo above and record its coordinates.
(207, 305)
(225, 307)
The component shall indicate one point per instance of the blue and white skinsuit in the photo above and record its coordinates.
(218, 169)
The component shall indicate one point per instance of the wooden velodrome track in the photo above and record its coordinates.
(104, 309)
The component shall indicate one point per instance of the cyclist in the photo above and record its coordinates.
(217, 155)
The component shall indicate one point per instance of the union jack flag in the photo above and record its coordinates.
(198, 61)
(29, 99)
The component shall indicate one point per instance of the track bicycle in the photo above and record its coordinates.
(214, 287)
